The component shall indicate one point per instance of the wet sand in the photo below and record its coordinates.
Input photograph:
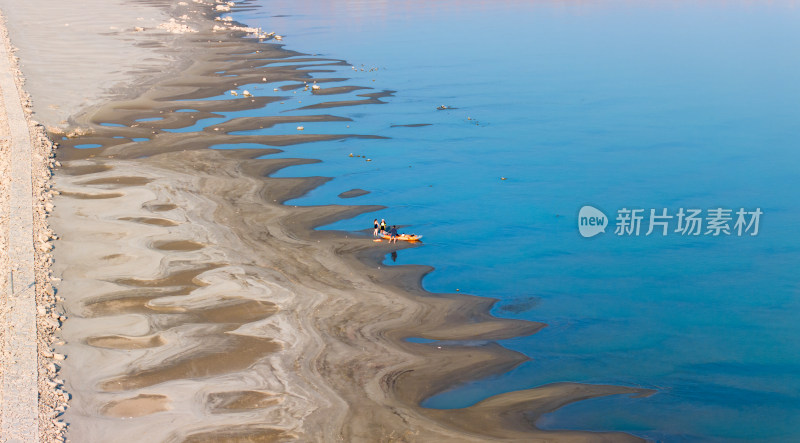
(200, 308)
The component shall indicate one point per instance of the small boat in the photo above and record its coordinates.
(404, 237)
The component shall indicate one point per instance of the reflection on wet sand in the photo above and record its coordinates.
(86, 169)
(122, 342)
(151, 221)
(244, 434)
(142, 404)
(184, 277)
(128, 303)
(178, 245)
(216, 357)
(162, 207)
(85, 196)
(113, 182)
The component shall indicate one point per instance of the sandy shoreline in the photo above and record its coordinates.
(201, 308)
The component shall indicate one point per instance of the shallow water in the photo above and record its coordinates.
(612, 104)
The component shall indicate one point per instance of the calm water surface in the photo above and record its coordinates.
(654, 104)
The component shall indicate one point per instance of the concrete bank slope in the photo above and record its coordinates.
(30, 398)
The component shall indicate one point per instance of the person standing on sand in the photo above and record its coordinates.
(393, 234)
(375, 232)
(383, 226)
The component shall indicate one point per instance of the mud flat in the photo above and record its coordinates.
(76, 55)
(201, 308)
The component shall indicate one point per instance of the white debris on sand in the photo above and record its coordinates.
(175, 27)
(258, 33)
(251, 32)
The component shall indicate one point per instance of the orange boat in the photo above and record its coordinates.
(404, 237)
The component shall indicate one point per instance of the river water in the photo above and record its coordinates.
(555, 105)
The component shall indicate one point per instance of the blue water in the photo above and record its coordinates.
(613, 104)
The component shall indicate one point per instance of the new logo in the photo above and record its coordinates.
(591, 221)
